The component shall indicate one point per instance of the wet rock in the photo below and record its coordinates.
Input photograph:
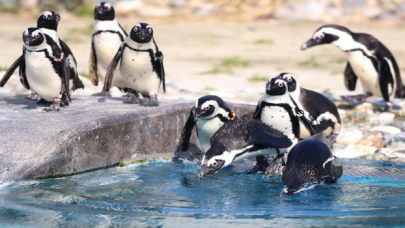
(375, 156)
(383, 117)
(398, 124)
(387, 129)
(397, 156)
(373, 141)
(349, 136)
(385, 151)
(127, 6)
(397, 141)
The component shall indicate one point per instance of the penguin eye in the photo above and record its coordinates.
(208, 107)
(36, 36)
(280, 84)
(289, 79)
(136, 29)
(214, 163)
(45, 16)
(150, 30)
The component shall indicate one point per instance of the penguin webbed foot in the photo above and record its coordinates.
(55, 105)
(33, 97)
(132, 97)
(388, 106)
(360, 98)
(64, 101)
(103, 93)
(151, 102)
(261, 165)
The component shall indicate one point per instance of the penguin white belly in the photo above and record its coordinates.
(106, 46)
(137, 72)
(41, 76)
(365, 71)
(205, 129)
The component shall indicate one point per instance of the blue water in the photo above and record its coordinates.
(169, 195)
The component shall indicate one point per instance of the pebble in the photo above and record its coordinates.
(375, 156)
(395, 143)
(383, 117)
(348, 152)
(373, 141)
(397, 156)
(349, 136)
(387, 129)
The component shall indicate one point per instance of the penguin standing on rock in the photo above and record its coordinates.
(44, 69)
(318, 109)
(369, 60)
(48, 22)
(107, 38)
(208, 115)
(141, 66)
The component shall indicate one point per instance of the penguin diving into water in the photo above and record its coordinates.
(240, 139)
(107, 38)
(368, 60)
(208, 115)
(141, 66)
(44, 68)
(47, 22)
(310, 162)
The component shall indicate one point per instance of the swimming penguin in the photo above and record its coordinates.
(141, 66)
(240, 139)
(107, 38)
(318, 109)
(310, 162)
(47, 22)
(44, 68)
(208, 115)
(369, 60)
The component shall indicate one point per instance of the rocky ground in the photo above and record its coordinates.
(235, 59)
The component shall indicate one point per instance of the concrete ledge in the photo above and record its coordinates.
(92, 132)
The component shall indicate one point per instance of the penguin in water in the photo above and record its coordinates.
(208, 115)
(107, 38)
(240, 139)
(44, 68)
(141, 66)
(310, 162)
(369, 60)
(318, 109)
(48, 22)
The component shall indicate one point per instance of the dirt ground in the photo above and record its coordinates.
(194, 52)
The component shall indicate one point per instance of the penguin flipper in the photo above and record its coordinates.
(111, 68)
(264, 138)
(350, 78)
(257, 114)
(10, 71)
(65, 73)
(93, 66)
(23, 77)
(186, 133)
(385, 77)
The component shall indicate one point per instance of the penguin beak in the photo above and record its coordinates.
(197, 113)
(27, 40)
(207, 170)
(142, 34)
(100, 10)
(310, 43)
(57, 16)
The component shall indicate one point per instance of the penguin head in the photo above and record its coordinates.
(276, 87)
(104, 11)
(207, 107)
(33, 37)
(327, 34)
(142, 33)
(291, 81)
(48, 20)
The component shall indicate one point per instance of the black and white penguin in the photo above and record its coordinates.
(107, 38)
(310, 162)
(141, 66)
(318, 109)
(44, 69)
(48, 22)
(240, 139)
(369, 60)
(208, 115)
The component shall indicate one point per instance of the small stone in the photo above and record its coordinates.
(375, 156)
(349, 136)
(385, 151)
(348, 152)
(365, 149)
(383, 117)
(367, 108)
(397, 156)
(395, 142)
(387, 129)
(398, 124)
(386, 138)
(373, 141)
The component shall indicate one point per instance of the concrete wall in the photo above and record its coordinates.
(91, 133)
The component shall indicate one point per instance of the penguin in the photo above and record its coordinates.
(107, 38)
(368, 60)
(141, 66)
(44, 68)
(48, 22)
(240, 139)
(276, 109)
(310, 162)
(208, 115)
(318, 109)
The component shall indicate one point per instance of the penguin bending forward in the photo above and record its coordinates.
(141, 66)
(208, 115)
(240, 139)
(44, 69)
(310, 162)
(318, 109)
(369, 61)
(48, 22)
(107, 38)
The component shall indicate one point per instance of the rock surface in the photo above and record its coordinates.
(92, 132)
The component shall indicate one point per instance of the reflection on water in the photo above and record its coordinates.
(169, 194)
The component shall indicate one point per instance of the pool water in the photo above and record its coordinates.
(165, 194)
